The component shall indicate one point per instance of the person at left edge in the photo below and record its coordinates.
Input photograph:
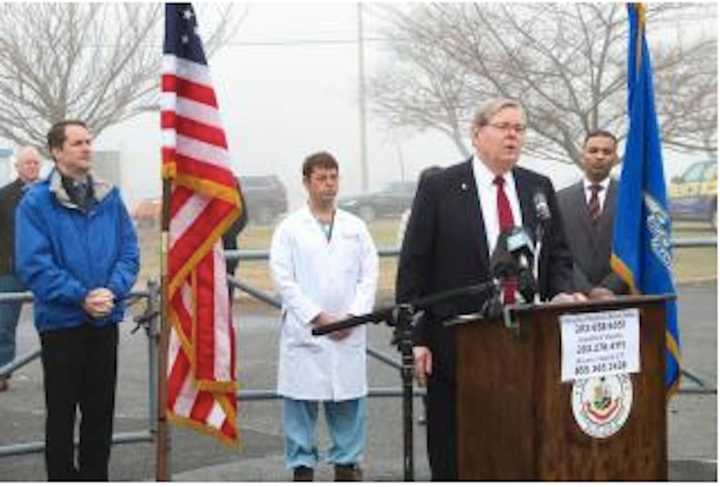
(77, 251)
(28, 171)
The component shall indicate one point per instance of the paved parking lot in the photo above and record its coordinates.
(692, 417)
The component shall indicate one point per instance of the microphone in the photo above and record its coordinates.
(503, 266)
(542, 211)
(519, 243)
(502, 263)
(520, 246)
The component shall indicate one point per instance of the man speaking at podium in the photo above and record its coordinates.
(455, 222)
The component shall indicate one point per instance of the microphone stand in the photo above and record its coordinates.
(402, 316)
(540, 234)
(405, 346)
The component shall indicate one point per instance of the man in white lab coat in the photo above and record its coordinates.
(325, 267)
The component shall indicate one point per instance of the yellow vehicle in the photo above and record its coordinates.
(693, 196)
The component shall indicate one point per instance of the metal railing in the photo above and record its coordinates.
(259, 255)
(149, 320)
(151, 295)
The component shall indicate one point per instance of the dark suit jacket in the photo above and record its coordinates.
(10, 195)
(590, 245)
(230, 236)
(445, 247)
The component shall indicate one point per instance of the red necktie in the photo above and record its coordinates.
(505, 218)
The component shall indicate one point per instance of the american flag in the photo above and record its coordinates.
(203, 203)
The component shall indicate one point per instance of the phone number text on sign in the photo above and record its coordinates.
(597, 344)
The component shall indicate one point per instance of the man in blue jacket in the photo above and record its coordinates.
(77, 251)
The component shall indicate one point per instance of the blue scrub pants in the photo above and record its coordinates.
(347, 425)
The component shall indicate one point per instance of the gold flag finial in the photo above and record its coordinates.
(640, 8)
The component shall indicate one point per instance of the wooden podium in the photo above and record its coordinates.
(515, 419)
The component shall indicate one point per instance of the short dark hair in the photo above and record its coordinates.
(56, 135)
(600, 133)
(323, 160)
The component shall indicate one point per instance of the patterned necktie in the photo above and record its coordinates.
(81, 195)
(505, 218)
(594, 203)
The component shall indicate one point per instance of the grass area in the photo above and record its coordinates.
(692, 229)
(695, 264)
(149, 241)
(689, 264)
(698, 263)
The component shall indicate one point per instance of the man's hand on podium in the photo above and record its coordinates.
(568, 298)
(600, 293)
(423, 364)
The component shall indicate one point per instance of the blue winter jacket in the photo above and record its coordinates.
(63, 252)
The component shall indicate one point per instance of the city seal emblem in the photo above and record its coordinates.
(601, 405)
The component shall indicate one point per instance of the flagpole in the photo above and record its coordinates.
(184, 392)
(640, 8)
(162, 439)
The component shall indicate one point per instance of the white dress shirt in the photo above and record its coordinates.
(487, 193)
(605, 184)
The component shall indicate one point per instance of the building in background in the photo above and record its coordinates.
(5, 165)
(107, 167)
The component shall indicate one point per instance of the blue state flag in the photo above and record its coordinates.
(642, 254)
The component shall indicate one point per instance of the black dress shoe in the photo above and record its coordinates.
(348, 473)
(303, 474)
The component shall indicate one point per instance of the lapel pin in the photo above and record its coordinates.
(463, 186)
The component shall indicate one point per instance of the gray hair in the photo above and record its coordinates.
(491, 107)
(25, 151)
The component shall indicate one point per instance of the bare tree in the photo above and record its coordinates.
(687, 96)
(97, 62)
(423, 91)
(565, 62)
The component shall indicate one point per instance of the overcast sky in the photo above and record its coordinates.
(288, 86)
(285, 90)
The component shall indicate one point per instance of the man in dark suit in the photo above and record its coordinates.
(588, 212)
(455, 221)
(27, 166)
(230, 236)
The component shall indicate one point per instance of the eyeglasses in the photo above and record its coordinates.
(506, 127)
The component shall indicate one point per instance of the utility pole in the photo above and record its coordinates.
(401, 159)
(361, 100)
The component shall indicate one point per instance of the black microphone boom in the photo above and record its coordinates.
(388, 314)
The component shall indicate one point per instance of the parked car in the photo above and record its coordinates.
(265, 196)
(390, 201)
(146, 213)
(693, 195)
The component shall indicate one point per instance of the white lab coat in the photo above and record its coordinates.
(314, 275)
